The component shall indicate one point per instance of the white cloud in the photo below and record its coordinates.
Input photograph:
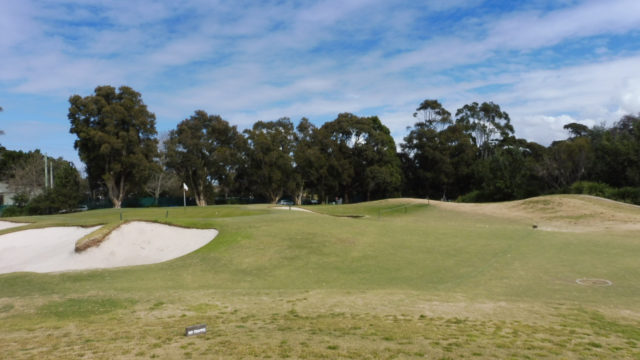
(316, 59)
(532, 30)
(629, 96)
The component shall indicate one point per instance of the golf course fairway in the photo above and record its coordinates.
(548, 277)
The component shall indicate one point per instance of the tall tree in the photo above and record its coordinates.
(270, 169)
(617, 153)
(65, 194)
(362, 157)
(487, 123)
(310, 163)
(432, 115)
(437, 163)
(205, 150)
(510, 172)
(26, 172)
(576, 130)
(116, 138)
(426, 166)
(162, 178)
(566, 162)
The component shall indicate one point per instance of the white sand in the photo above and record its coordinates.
(135, 243)
(9, 224)
(290, 208)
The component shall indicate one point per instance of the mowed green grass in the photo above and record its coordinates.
(405, 280)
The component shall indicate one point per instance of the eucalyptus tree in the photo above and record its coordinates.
(437, 163)
(24, 172)
(162, 178)
(576, 130)
(566, 162)
(361, 156)
(426, 167)
(270, 167)
(616, 153)
(205, 150)
(432, 115)
(116, 138)
(487, 123)
(310, 161)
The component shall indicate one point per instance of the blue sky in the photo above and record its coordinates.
(546, 63)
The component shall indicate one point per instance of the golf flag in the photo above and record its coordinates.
(185, 187)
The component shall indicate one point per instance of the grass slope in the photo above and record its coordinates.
(405, 279)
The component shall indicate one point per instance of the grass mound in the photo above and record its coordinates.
(574, 213)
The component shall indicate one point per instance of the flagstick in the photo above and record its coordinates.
(185, 188)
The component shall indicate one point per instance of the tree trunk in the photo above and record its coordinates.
(199, 195)
(200, 200)
(156, 193)
(116, 192)
(275, 196)
(299, 193)
(117, 204)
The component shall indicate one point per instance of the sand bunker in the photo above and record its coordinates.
(135, 243)
(9, 225)
(293, 208)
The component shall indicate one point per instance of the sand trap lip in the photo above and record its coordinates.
(293, 208)
(134, 243)
(9, 224)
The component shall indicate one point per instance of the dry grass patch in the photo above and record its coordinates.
(573, 213)
(313, 324)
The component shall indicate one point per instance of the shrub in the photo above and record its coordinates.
(590, 188)
(626, 194)
(473, 196)
(11, 211)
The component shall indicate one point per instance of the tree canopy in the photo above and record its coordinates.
(474, 157)
(486, 123)
(116, 138)
(362, 159)
(204, 149)
(269, 169)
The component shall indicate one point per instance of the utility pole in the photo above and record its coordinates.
(51, 175)
(46, 169)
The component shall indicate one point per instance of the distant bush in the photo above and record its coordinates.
(625, 194)
(11, 211)
(474, 196)
(590, 188)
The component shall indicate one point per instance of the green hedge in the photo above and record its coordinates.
(625, 194)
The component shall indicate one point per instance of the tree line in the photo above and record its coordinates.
(471, 155)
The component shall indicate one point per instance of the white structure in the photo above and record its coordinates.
(6, 195)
